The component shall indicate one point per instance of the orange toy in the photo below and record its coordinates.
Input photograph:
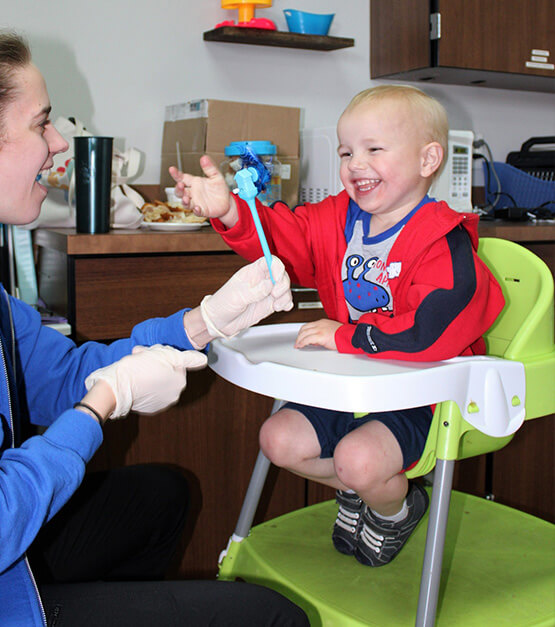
(246, 14)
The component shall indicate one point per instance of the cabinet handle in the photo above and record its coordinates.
(316, 304)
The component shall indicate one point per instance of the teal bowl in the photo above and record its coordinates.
(308, 23)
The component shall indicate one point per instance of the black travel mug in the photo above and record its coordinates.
(93, 182)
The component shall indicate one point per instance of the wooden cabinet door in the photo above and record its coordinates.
(498, 43)
(399, 36)
(497, 35)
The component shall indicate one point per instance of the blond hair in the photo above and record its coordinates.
(428, 112)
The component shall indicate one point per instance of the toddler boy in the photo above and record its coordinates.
(399, 278)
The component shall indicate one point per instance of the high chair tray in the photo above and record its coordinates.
(263, 359)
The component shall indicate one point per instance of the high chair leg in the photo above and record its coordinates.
(252, 497)
(256, 484)
(435, 540)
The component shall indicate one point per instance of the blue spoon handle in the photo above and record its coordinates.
(261, 237)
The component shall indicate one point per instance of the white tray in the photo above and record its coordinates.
(263, 360)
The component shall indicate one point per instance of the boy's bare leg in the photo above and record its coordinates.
(368, 460)
(289, 441)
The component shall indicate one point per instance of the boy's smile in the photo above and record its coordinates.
(366, 185)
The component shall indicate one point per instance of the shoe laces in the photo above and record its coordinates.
(347, 519)
(373, 540)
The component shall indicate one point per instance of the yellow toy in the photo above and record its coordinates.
(246, 14)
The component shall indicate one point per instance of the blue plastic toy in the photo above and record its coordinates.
(250, 159)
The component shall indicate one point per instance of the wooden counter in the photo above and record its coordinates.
(105, 284)
(540, 231)
(129, 242)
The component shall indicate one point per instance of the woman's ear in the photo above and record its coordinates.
(432, 157)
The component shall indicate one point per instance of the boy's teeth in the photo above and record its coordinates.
(366, 184)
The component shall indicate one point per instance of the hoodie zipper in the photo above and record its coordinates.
(6, 379)
(415, 259)
(43, 613)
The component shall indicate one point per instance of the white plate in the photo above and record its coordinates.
(173, 226)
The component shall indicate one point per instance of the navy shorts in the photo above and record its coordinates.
(409, 426)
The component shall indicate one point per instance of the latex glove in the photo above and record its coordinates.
(248, 297)
(149, 380)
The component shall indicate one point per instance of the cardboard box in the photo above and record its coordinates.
(207, 126)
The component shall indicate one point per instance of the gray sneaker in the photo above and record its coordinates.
(380, 540)
(348, 522)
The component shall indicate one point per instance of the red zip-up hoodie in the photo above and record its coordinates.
(444, 296)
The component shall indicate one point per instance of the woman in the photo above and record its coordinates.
(119, 525)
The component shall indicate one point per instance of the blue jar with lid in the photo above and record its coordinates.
(266, 152)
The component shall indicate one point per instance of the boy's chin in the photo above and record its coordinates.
(365, 205)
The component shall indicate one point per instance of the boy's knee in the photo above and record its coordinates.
(355, 466)
(277, 439)
(273, 441)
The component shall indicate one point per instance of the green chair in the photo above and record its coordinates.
(484, 564)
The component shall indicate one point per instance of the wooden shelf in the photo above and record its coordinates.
(264, 37)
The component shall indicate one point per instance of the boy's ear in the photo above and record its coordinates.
(432, 156)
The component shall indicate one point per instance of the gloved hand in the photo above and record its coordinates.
(149, 380)
(248, 297)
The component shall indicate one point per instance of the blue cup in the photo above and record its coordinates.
(308, 23)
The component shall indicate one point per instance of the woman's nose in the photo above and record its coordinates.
(56, 143)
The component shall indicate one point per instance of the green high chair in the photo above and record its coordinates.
(480, 563)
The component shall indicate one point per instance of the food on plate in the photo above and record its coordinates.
(159, 211)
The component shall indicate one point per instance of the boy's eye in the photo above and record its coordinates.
(374, 149)
(344, 153)
(44, 124)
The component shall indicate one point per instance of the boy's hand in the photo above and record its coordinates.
(318, 333)
(208, 195)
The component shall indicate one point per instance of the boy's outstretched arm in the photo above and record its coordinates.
(207, 195)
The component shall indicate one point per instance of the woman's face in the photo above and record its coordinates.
(27, 145)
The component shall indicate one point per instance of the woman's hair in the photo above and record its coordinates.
(427, 112)
(14, 55)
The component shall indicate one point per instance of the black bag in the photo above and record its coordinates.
(538, 163)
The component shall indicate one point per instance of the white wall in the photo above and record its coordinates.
(115, 64)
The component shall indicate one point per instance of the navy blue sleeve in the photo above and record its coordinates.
(435, 313)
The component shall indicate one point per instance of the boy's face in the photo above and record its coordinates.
(384, 160)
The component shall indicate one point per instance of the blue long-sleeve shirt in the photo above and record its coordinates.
(42, 374)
